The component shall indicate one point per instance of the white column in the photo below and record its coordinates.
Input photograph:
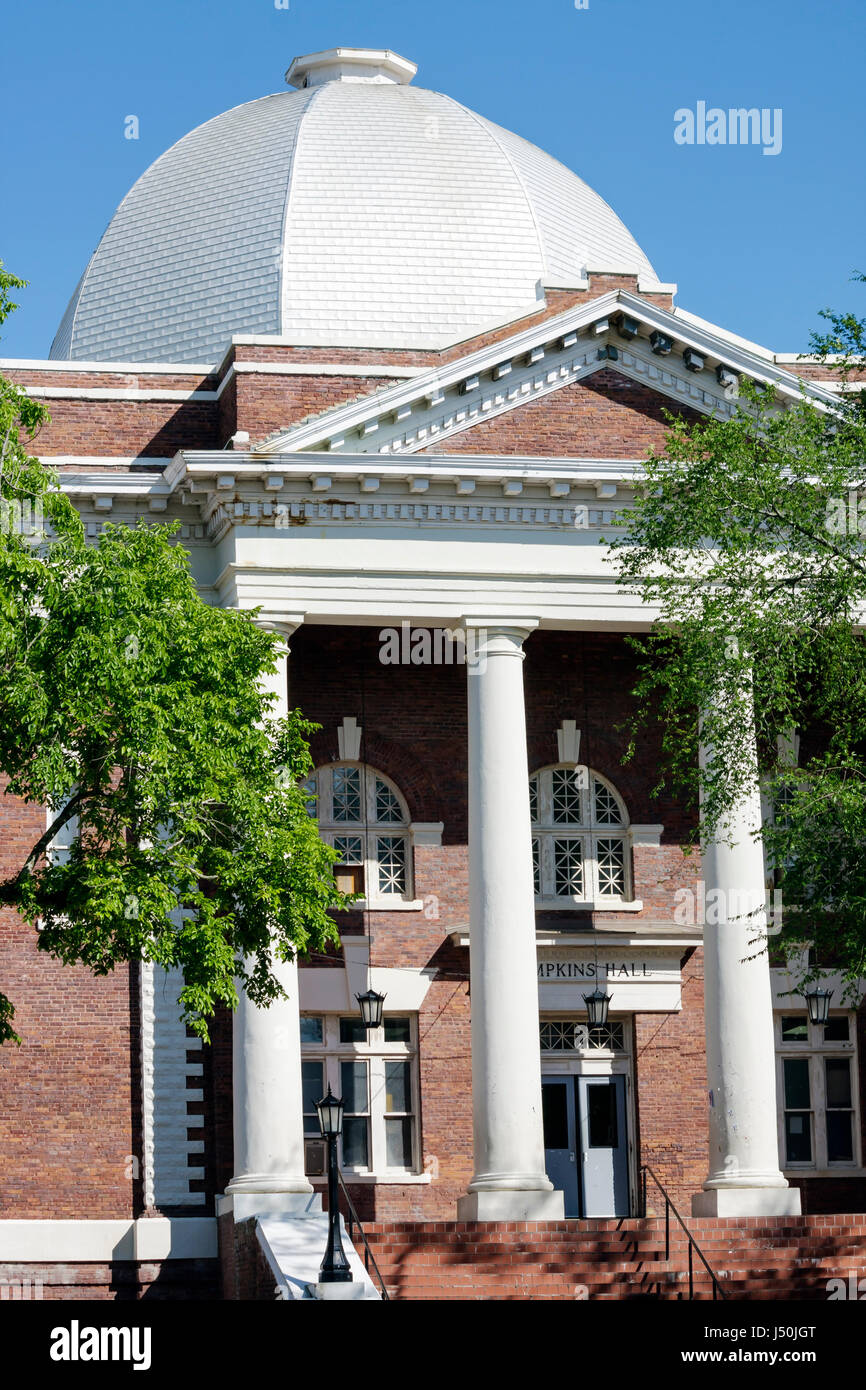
(744, 1177)
(266, 1053)
(509, 1182)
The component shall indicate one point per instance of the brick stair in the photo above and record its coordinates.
(616, 1259)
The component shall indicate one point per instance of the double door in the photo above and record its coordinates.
(586, 1142)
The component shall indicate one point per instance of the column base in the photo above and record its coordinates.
(243, 1205)
(747, 1201)
(507, 1204)
(270, 1182)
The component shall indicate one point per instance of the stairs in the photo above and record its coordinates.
(768, 1258)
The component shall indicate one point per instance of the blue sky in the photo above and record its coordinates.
(756, 243)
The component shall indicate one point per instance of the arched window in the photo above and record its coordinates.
(579, 838)
(362, 814)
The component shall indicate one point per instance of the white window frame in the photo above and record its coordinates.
(588, 832)
(376, 1052)
(368, 831)
(815, 1050)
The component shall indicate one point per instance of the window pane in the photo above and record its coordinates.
(798, 1138)
(838, 1070)
(398, 1143)
(313, 1088)
(795, 1028)
(355, 1146)
(398, 1030)
(310, 790)
(352, 1030)
(568, 862)
(554, 1112)
(536, 866)
(347, 794)
(601, 1111)
(840, 1141)
(311, 1029)
(559, 1035)
(354, 1081)
(566, 796)
(533, 799)
(398, 1087)
(797, 1095)
(610, 1038)
(607, 811)
(387, 806)
(349, 849)
(836, 1029)
(611, 867)
(391, 861)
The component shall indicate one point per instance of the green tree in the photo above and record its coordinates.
(135, 711)
(748, 536)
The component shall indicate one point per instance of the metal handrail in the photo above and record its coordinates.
(353, 1220)
(718, 1291)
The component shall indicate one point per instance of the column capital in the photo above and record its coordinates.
(498, 636)
(501, 624)
(279, 621)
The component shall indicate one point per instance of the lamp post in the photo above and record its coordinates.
(334, 1268)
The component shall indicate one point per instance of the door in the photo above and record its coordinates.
(603, 1145)
(560, 1138)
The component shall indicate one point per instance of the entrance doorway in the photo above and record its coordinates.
(586, 1142)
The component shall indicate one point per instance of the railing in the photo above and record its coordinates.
(718, 1291)
(353, 1223)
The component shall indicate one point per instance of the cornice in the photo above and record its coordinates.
(567, 347)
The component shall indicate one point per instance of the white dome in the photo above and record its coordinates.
(356, 212)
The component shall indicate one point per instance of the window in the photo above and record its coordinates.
(364, 817)
(817, 1086)
(376, 1074)
(579, 844)
(575, 1035)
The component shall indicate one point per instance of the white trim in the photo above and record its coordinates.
(147, 1238)
(325, 369)
(595, 905)
(65, 364)
(427, 832)
(645, 834)
(115, 393)
(380, 1179)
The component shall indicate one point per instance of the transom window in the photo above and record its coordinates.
(579, 845)
(361, 813)
(376, 1075)
(575, 1035)
(817, 1089)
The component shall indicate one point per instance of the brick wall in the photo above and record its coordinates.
(69, 1111)
(603, 416)
(671, 1090)
(117, 1280)
(246, 1273)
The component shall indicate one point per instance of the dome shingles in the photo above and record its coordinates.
(347, 213)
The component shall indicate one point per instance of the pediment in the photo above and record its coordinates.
(670, 356)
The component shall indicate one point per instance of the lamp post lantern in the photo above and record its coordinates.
(597, 1005)
(818, 1003)
(370, 1003)
(334, 1268)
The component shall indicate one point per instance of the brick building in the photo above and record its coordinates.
(393, 370)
